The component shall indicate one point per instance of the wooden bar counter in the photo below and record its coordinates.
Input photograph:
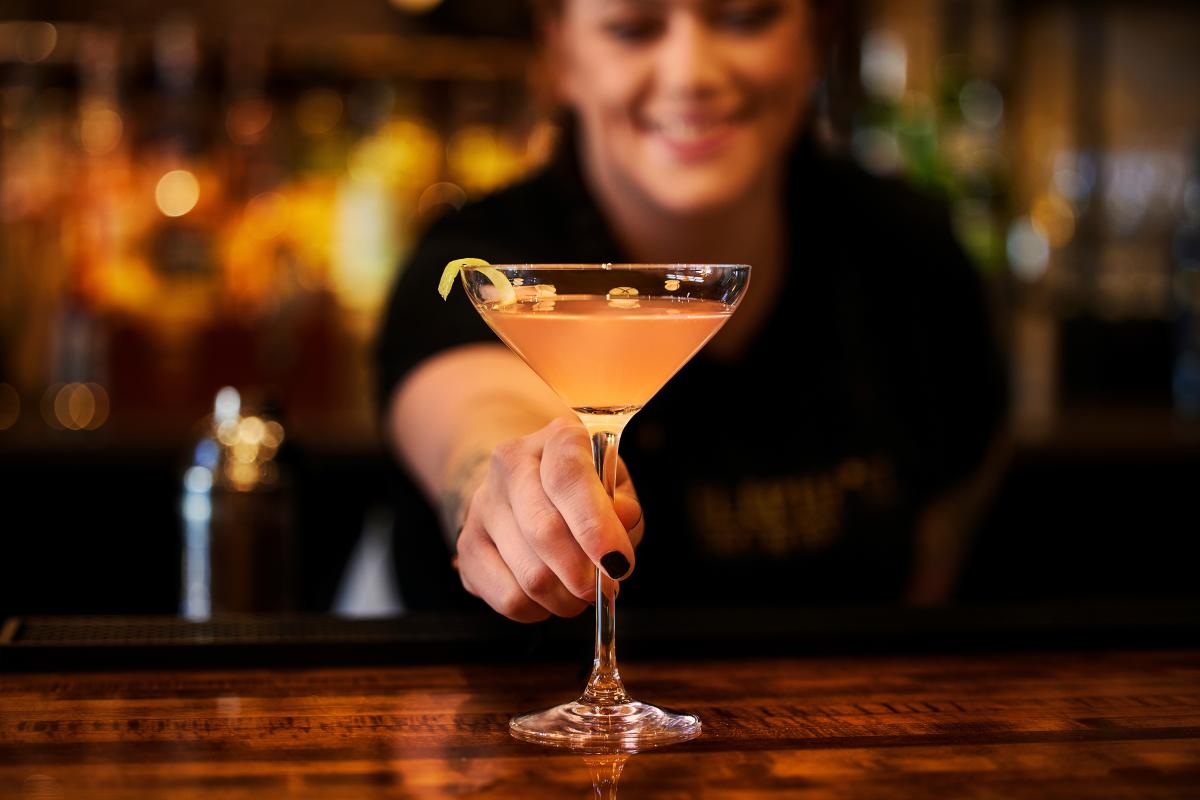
(1098, 724)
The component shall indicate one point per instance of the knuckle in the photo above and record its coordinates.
(516, 606)
(564, 477)
(466, 543)
(567, 436)
(589, 533)
(539, 581)
(512, 603)
(545, 527)
(583, 589)
(476, 506)
(506, 454)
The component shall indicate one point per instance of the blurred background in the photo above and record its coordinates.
(200, 195)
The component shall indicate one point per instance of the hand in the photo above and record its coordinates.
(540, 523)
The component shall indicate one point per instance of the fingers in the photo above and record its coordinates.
(627, 505)
(535, 577)
(569, 481)
(629, 511)
(541, 523)
(546, 534)
(485, 575)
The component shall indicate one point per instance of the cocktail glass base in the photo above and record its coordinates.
(624, 728)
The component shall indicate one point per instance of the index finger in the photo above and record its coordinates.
(569, 478)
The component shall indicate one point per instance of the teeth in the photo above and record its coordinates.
(685, 131)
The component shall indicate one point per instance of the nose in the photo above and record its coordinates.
(689, 62)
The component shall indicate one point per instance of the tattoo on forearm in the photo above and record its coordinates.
(456, 497)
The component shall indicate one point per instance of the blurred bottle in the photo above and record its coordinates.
(238, 552)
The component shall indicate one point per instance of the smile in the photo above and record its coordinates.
(692, 138)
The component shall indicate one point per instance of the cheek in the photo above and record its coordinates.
(783, 95)
(598, 83)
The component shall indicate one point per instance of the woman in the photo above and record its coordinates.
(827, 445)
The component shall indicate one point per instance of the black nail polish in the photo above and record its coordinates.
(615, 564)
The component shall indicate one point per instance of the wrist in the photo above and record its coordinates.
(464, 475)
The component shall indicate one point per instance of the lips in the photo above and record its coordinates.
(692, 138)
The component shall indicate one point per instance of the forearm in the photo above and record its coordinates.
(448, 415)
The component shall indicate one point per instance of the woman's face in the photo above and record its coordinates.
(687, 104)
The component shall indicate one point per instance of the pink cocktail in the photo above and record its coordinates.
(605, 338)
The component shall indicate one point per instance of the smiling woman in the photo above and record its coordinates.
(686, 107)
(853, 397)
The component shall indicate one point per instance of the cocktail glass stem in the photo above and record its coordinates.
(604, 687)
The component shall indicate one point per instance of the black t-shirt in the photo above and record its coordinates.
(795, 474)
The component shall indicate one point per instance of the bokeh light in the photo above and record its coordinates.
(251, 430)
(244, 452)
(197, 480)
(1028, 250)
(272, 435)
(1053, 215)
(481, 159)
(439, 195)
(228, 405)
(100, 129)
(266, 216)
(878, 150)
(981, 104)
(227, 433)
(75, 406)
(36, 41)
(177, 193)
(884, 65)
(243, 476)
(247, 120)
(1074, 176)
(10, 406)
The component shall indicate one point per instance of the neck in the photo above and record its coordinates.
(750, 231)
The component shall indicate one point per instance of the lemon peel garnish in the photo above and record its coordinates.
(508, 295)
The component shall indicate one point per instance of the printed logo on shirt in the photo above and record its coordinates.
(782, 516)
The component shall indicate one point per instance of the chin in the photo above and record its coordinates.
(698, 195)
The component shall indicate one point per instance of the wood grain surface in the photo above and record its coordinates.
(1060, 725)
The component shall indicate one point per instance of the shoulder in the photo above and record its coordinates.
(878, 204)
(896, 236)
(504, 225)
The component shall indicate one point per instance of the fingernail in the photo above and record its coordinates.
(616, 565)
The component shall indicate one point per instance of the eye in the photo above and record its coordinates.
(633, 29)
(746, 17)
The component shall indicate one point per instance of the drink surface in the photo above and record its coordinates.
(606, 356)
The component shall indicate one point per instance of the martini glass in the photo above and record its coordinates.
(606, 338)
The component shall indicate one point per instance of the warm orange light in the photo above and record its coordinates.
(416, 6)
(76, 406)
(100, 129)
(247, 120)
(481, 159)
(177, 193)
(1055, 216)
(251, 430)
(272, 435)
(36, 41)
